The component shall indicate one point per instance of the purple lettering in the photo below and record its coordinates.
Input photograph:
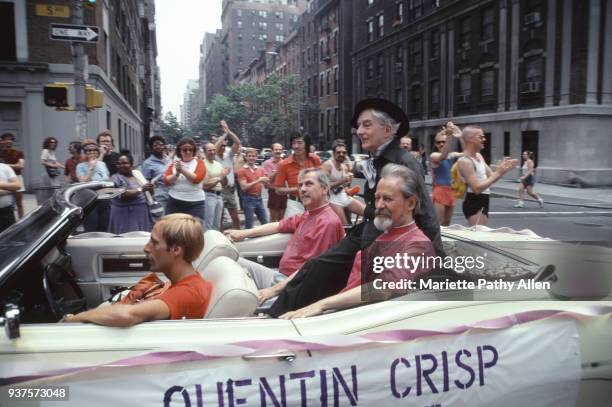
(265, 389)
(393, 369)
(425, 373)
(465, 367)
(485, 365)
(302, 376)
(323, 376)
(199, 400)
(339, 379)
(176, 389)
(445, 370)
(220, 397)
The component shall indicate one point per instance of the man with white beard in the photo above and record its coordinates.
(396, 199)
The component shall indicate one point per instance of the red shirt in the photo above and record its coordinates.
(404, 239)
(70, 168)
(289, 169)
(248, 175)
(11, 156)
(188, 298)
(314, 232)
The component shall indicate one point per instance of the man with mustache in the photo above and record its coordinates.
(380, 124)
(396, 199)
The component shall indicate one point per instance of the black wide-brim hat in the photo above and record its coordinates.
(383, 105)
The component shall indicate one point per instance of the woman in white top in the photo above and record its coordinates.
(527, 180)
(51, 179)
(340, 177)
(185, 177)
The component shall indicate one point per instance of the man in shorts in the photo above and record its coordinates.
(225, 157)
(277, 203)
(13, 157)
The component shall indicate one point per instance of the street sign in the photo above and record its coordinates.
(69, 32)
(51, 10)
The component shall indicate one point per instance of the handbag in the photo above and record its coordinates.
(52, 172)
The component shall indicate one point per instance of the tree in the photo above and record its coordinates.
(260, 114)
(171, 128)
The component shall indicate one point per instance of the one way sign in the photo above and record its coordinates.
(69, 32)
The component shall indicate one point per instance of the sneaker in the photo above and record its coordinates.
(519, 204)
(541, 202)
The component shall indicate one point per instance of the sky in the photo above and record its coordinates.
(181, 25)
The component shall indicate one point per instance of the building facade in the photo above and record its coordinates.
(122, 64)
(536, 75)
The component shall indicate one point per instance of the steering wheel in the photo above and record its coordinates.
(63, 293)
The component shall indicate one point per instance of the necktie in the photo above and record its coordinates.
(370, 172)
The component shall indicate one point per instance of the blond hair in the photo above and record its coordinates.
(183, 230)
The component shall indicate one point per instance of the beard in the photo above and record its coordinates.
(383, 220)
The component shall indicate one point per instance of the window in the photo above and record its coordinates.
(278, 14)
(464, 33)
(263, 13)
(381, 25)
(335, 42)
(487, 79)
(506, 144)
(399, 58)
(315, 85)
(322, 124)
(416, 99)
(309, 90)
(399, 97)
(435, 4)
(279, 26)
(328, 128)
(322, 84)
(533, 69)
(322, 49)
(328, 81)
(416, 52)
(370, 2)
(486, 32)
(238, 13)
(434, 94)
(435, 44)
(280, 38)
(263, 26)
(381, 64)
(416, 8)
(308, 55)
(263, 37)
(370, 68)
(370, 31)
(239, 24)
(465, 87)
(335, 133)
(399, 12)
(336, 77)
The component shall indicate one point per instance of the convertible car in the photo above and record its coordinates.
(535, 327)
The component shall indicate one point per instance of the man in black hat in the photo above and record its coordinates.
(380, 124)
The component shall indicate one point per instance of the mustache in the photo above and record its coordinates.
(382, 212)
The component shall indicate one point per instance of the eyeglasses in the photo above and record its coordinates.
(185, 150)
(158, 143)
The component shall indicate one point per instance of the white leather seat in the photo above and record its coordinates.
(215, 245)
(234, 293)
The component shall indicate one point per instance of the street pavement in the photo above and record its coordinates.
(569, 214)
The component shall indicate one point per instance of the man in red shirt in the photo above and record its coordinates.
(396, 199)
(176, 241)
(288, 170)
(13, 157)
(313, 232)
(251, 179)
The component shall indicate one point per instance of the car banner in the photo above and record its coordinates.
(536, 364)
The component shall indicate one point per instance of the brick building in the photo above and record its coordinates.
(537, 75)
(122, 64)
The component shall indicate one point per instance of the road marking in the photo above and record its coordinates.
(552, 213)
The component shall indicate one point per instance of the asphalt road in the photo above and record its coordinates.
(559, 222)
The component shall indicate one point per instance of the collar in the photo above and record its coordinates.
(400, 230)
(382, 148)
(254, 167)
(318, 210)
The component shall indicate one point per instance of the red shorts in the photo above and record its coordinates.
(276, 201)
(443, 195)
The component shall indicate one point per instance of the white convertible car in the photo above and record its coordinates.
(536, 330)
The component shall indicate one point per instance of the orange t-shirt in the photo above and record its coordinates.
(248, 175)
(289, 169)
(188, 298)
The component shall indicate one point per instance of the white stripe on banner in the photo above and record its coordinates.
(534, 364)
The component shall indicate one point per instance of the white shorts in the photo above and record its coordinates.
(341, 199)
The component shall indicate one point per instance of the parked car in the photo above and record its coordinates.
(324, 155)
(48, 270)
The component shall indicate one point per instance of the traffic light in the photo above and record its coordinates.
(94, 98)
(56, 95)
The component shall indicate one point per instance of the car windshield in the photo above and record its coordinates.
(21, 238)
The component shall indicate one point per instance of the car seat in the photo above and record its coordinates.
(234, 293)
(215, 245)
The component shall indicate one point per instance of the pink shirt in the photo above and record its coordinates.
(313, 233)
(407, 239)
(270, 167)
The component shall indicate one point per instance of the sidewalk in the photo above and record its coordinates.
(599, 198)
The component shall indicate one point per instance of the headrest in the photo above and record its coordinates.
(234, 293)
(215, 245)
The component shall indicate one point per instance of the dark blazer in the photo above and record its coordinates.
(425, 215)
